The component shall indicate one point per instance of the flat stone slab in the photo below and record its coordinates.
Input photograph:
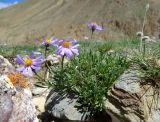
(63, 106)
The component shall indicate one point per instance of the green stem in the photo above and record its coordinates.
(62, 64)
(49, 68)
(92, 34)
(39, 76)
(45, 56)
(144, 20)
(48, 83)
(144, 48)
(141, 46)
(45, 52)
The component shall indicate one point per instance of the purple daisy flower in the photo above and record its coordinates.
(94, 26)
(50, 41)
(68, 48)
(29, 64)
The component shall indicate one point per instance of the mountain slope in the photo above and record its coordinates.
(30, 21)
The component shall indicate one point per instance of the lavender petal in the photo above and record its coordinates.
(38, 58)
(31, 55)
(19, 59)
(27, 71)
(68, 53)
(99, 28)
(20, 69)
(75, 51)
(35, 68)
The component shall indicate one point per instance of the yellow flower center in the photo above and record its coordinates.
(66, 44)
(48, 40)
(28, 62)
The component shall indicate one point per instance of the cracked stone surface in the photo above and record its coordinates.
(130, 101)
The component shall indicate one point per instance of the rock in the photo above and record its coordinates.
(55, 59)
(39, 98)
(23, 108)
(18, 105)
(130, 101)
(5, 66)
(6, 107)
(46, 117)
(16, 102)
(6, 104)
(39, 103)
(62, 106)
(40, 91)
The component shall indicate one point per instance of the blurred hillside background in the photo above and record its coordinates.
(29, 21)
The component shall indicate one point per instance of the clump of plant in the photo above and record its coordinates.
(89, 76)
(105, 47)
(152, 74)
(7, 51)
(143, 38)
(149, 66)
(147, 61)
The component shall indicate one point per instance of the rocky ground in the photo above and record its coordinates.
(128, 100)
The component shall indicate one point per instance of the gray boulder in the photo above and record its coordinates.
(62, 106)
